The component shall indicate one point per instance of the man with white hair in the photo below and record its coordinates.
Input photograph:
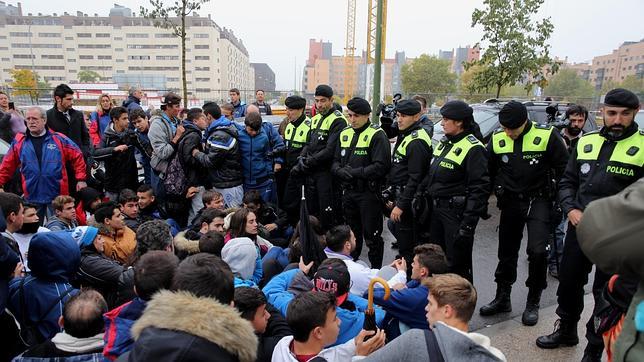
(38, 154)
(133, 100)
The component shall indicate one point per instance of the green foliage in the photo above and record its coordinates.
(27, 82)
(516, 47)
(173, 17)
(88, 76)
(634, 84)
(566, 83)
(428, 74)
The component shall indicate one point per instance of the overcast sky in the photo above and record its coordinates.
(278, 32)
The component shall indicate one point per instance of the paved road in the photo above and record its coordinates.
(485, 261)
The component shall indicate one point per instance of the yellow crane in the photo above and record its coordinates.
(350, 75)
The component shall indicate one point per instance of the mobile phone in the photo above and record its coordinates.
(12, 105)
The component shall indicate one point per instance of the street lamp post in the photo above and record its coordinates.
(33, 67)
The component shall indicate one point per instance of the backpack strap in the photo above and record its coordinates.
(433, 349)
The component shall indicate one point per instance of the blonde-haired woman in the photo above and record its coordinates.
(100, 118)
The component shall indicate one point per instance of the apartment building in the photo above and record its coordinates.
(123, 48)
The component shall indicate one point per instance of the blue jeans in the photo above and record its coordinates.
(560, 234)
(267, 189)
(233, 196)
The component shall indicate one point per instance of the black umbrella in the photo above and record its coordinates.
(311, 249)
(370, 313)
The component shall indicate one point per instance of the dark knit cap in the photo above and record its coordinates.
(513, 115)
(408, 107)
(323, 90)
(457, 111)
(295, 102)
(620, 97)
(359, 105)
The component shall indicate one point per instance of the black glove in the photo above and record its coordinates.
(466, 232)
(300, 168)
(344, 173)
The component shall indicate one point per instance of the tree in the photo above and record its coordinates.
(635, 84)
(428, 74)
(173, 17)
(567, 83)
(27, 82)
(516, 48)
(88, 76)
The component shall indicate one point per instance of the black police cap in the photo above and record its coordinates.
(295, 102)
(359, 105)
(457, 110)
(513, 115)
(408, 107)
(323, 90)
(620, 97)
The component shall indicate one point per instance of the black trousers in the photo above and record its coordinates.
(362, 210)
(573, 276)
(292, 197)
(515, 214)
(324, 199)
(281, 179)
(443, 230)
(407, 235)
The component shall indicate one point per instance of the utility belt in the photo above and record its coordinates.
(543, 193)
(453, 202)
(362, 185)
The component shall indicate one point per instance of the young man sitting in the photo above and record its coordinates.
(187, 242)
(315, 324)
(120, 240)
(129, 203)
(451, 303)
(268, 323)
(148, 209)
(340, 242)
(65, 211)
(406, 305)
(213, 200)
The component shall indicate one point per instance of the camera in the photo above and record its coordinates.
(555, 119)
(388, 111)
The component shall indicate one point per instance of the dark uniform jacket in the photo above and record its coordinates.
(325, 132)
(296, 136)
(522, 166)
(367, 154)
(410, 162)
(459, 168)
(601, 166)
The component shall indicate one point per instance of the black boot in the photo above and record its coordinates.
(565, 334)
(500, 304)
(593, 353)
(531, 314)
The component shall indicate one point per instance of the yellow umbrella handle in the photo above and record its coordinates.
(372, 285)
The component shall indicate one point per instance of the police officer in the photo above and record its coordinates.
(296, 135)
(409, 164)
(362, 161)
(323, 193)
(522, 156)
(602, 164)
(459, 186)
(391, 128)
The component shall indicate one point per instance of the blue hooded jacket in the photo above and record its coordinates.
(405, 305)
(278, 294)
(54, 258)
(257, 153)
(221, 156)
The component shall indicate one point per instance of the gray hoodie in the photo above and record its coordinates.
(160, 135)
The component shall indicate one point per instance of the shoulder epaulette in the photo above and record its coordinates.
(346, 128)
(498, 130)
(307, 122)
(414, 134)
(641, 132)
(473, 140)
(375, 126)
(543, 126)
(338, 113)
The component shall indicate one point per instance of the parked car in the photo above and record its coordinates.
(639, 118)
(486, 114)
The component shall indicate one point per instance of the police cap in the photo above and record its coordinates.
(323, 90)
(620, 97)
(457, 111)
(295, 102)
(359, 105)
(408, 107)
(513, 115)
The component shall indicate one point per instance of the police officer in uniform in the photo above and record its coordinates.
(296, 135)
(409, 164)
(522, 157)
(362, 161)
(602, 164)
(459, 186)
(323, 192)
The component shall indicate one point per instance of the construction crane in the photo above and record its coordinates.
(349, 52)
(374, 34)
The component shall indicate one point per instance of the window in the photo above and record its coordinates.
(49, 35)
(94, 46)
(205, 90)
(103, 35)
(136, 35)
(36, 46)
(118, 38)
(95, 67)
(85, 57)
(118, 49)
(50, 56)
(23, 56)
(170, 79)
(69, 38)
(153, 68)
(70, 49)
(105, 57)
(201, 36)
(84, 35)
(120, 60)
(202, 46)
(202, 79)
(202, 69)
(167, 57)
(41, 67)
(20, 34)
(138, 57)
(202, 57)
(54, 78)
(71, 60)
(164, 35)
(151, 46)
